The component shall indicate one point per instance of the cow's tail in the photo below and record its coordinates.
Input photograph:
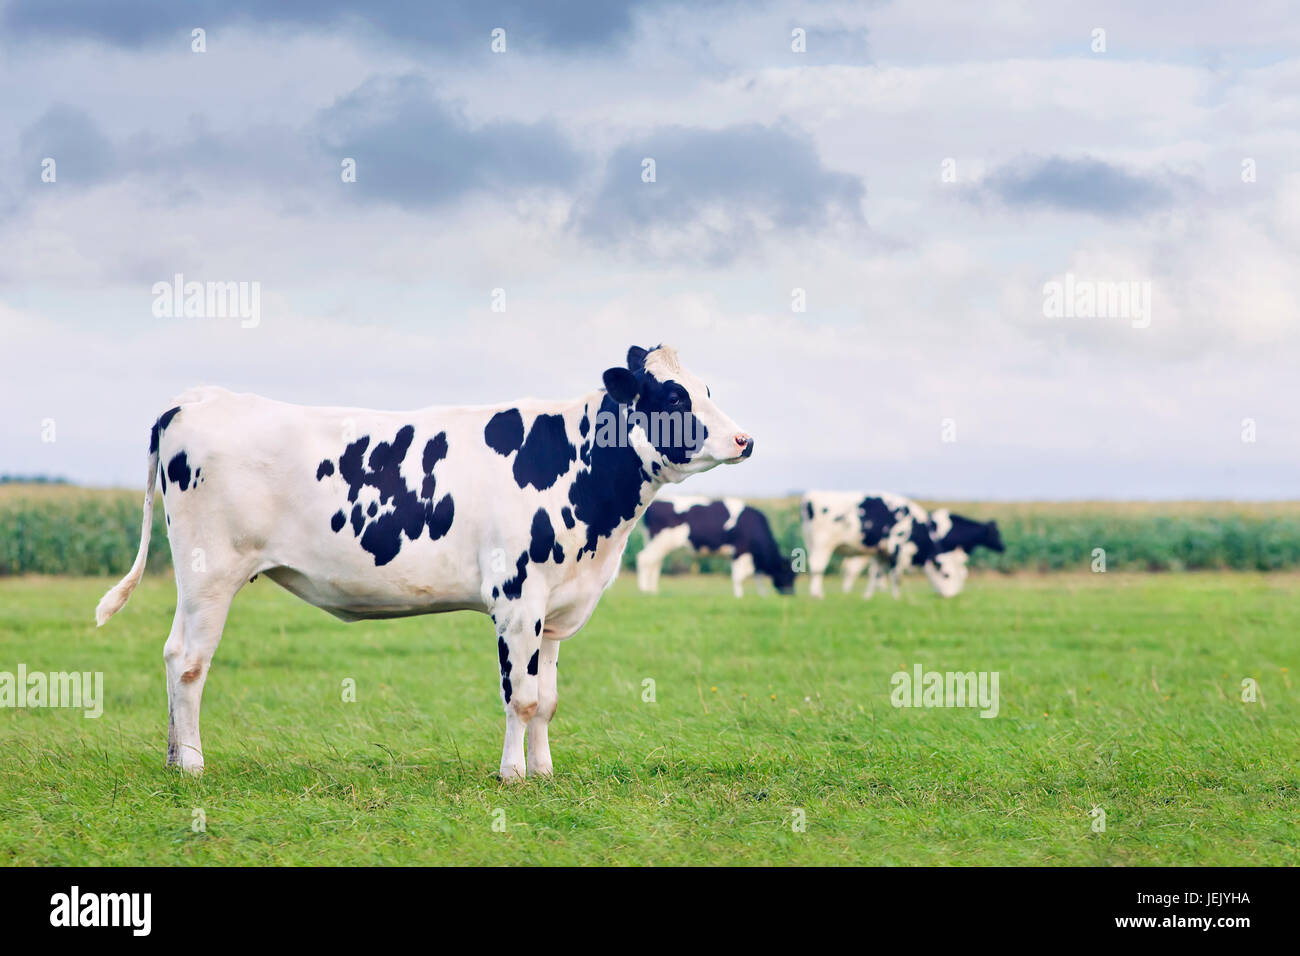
(116, 598)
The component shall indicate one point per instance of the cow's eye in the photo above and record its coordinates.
(674, 399)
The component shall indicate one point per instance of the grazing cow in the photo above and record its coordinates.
(875, 527)
(712, 526)
(952, 534)
(520, 511)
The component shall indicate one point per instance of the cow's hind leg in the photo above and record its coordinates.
(519, 642)
(548, 697)
(874, 575)
(647, 571)
(196, 631)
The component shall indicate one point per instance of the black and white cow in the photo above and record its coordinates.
(710, 526)
(520, 511)
(874, 528)
(951, 533)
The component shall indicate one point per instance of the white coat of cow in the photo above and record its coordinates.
(520, 511)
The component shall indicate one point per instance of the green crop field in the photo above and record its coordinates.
(1117, 691)
(63, 529)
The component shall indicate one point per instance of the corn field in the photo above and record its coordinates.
(63, 529)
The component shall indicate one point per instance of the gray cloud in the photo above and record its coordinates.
(448, 25)
(1080, 185)
(412, 149)
(752, 175)
(82, 153)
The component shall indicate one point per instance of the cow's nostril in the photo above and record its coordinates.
(742, 439)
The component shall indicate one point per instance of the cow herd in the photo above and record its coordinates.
(520, 511)
(872, 530)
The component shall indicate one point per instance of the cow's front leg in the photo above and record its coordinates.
(519, 640)
(852, 567)
(548, 697)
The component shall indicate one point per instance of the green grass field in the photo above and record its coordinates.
(1119, 691)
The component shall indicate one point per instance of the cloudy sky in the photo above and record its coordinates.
(918, 174)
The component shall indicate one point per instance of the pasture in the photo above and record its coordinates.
(1119, 691)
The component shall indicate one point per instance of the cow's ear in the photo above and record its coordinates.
(621, 385)
(636, 358)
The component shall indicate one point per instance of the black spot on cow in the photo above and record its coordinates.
(496, 592)
(676, 433)
(504, 432)
(503, 656)
(338, 521)
(878, 519)
(808, 509)
(566, 514)
(515, 586)
(178, 470)
(435, 450)
(324, 469)
(400, 511)
(532, 664)
(608, 492)
(557, 553)
(922, 540)
(537, 629)
(440, 519)
(543, 537)
(159, 426)
(584, 426)
(545, 455)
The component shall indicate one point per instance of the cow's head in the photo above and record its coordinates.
(947, 572)
(783, 577)
(674, 414)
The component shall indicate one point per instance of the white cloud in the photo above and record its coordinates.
(935, 311)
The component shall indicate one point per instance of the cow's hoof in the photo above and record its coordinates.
(191, 762)
(541, 770)
(511, 774)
